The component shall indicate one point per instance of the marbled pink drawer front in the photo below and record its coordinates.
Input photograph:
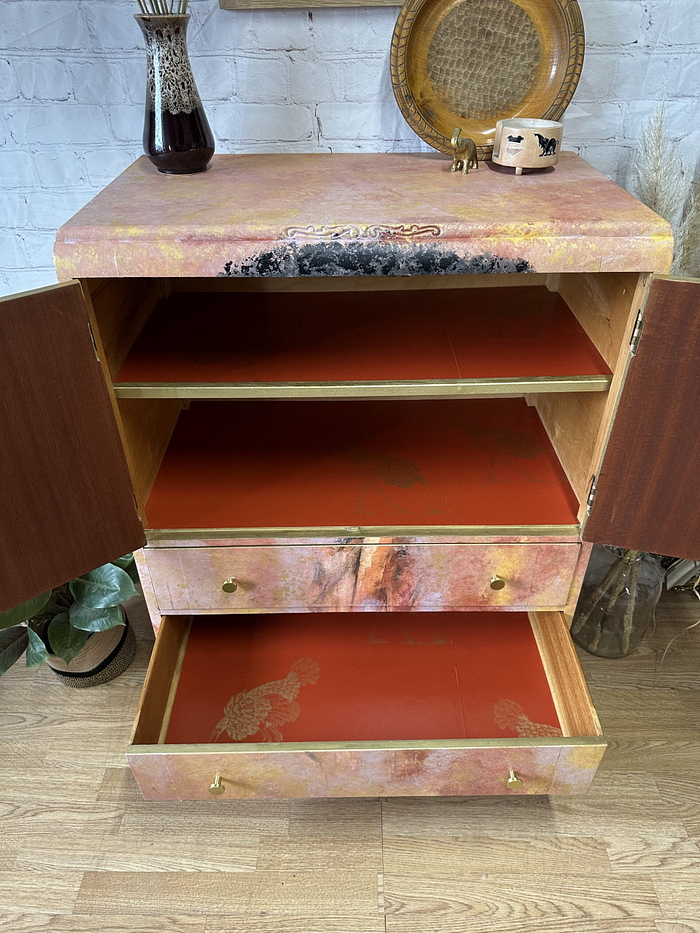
(358, 772)
(362, 577)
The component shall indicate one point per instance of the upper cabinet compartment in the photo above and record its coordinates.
(423, 343)
(66, 500)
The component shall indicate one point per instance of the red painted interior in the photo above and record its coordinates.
(265, 464)
(380, 676)
(354, 336)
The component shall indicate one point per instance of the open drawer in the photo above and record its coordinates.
(373, 704)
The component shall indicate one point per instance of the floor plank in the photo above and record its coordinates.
(263, 893)
(493, 855)
(436, 902)
(97, 923)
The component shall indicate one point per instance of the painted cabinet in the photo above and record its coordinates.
(355, 415)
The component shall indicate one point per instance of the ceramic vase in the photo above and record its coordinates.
(176, 135)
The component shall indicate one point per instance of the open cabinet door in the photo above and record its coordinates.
(66, 499)
(648, 485)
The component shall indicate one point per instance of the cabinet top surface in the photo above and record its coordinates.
(360, 214)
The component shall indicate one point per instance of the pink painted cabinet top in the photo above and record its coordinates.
(360, 214)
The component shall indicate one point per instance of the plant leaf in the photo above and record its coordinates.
(124, 561)
(65, 640)
(13, 641)
(24, 611)
(88, 619)
(128, 563)
(106, 586)
(36, 649)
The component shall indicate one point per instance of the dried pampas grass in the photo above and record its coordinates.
(687, 259)
(661, 185)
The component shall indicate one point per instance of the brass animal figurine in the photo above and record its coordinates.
(463, 153)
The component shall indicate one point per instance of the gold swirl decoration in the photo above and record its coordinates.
(362, 232)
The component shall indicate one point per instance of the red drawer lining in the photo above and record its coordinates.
(371, 677)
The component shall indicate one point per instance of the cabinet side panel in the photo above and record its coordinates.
(646, 487)
(66, 499)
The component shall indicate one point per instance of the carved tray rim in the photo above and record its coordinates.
(403, 91)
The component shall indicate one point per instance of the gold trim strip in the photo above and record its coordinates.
(427, 388)
(158, 534)
(271, 748)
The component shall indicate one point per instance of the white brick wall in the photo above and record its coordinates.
(72, 85)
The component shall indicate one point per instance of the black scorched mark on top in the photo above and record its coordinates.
(354, 258)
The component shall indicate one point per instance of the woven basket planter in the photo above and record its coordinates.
(105, 656)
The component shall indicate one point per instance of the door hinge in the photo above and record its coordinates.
(637, 333)
(592, 493)
(94, 344)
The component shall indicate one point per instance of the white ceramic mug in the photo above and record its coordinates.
(524, 143)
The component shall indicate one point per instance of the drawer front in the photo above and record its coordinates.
(362, 577)
(362, 772)
(541, 763)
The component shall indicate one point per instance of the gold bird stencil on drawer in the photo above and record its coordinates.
(510, 715)
(264, 709)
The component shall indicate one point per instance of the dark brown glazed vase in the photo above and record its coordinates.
(176, 134)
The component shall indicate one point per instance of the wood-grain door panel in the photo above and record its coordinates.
(66, 500)
(645, 486)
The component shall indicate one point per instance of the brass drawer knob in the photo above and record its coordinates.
(497, 583)
(513, 782)
(230, 585)
(217, 788)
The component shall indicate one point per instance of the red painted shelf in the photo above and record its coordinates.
(304, 464)
(219, 339)
(388, 676)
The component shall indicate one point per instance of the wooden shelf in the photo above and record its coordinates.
(386, 677)
(385, 465)
(412, 344)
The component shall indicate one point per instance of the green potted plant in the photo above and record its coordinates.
(79, 628)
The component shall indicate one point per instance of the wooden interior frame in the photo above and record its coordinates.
(606, 305)
(572, 700)
(355, 283)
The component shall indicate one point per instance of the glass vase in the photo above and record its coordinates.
(617, 601)
(176, 134)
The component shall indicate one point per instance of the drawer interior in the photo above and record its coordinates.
(375, 678)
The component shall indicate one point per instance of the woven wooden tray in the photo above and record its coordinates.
(469, 63)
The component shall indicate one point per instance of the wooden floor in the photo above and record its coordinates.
(80, 851)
